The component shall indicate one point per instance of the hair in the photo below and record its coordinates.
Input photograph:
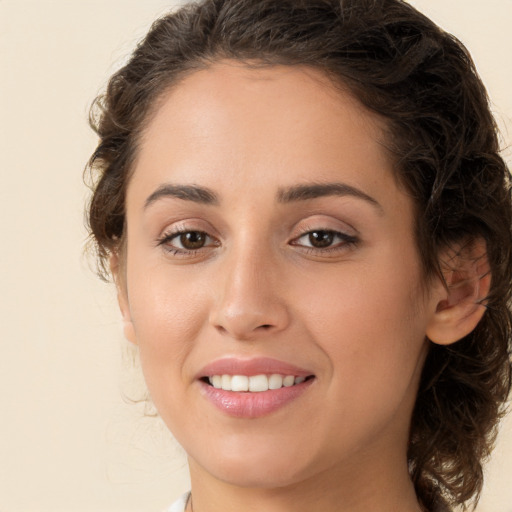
(423, 83)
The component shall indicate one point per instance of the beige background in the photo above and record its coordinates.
(68, 441)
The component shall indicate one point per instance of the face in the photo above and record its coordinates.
(271, 278)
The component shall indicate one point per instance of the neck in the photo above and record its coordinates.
(379, 486)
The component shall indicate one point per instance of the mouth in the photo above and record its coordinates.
(252, 388)
(254, 383)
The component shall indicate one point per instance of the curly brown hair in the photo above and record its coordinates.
(422, 81)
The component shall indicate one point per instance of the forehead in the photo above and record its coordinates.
(229, 91)
(277, 125)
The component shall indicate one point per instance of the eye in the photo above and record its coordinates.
(321, 239)
(186, 241)
(324, 239)
(191, 240)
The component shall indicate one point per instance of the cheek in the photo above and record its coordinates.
(166, 314)
(376, 353)
(371, 322)
(163, 303)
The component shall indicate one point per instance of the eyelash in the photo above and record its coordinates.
(176, 251)
(346, 241)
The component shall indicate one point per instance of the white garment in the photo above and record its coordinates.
(179, 505)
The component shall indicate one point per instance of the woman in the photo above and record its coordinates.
(308, 222)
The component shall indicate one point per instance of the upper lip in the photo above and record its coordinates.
(253, 366)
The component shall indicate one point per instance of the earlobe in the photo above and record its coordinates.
(122, 298)
(461, 304)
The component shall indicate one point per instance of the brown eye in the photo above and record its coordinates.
(192, 240)
(184, 243)
(321, 239)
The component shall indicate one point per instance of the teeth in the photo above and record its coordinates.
(225, 382)
(254, 383)
(240, 383)
(288, 381)
(258, 383)
(275, 381)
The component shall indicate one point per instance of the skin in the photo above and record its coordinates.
(354, 314)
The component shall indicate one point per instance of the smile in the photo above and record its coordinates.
(254, 383)
(252, 388)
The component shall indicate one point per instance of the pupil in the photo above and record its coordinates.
(321, 238)
(193, 240)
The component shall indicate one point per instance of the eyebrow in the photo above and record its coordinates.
(192, 193)
(203, 195)
(315, 190)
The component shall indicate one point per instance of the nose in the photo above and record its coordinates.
(250, 301)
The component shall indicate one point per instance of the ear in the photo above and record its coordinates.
(122, 297)
(460, 302)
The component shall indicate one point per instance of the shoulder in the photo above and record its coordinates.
(179, 505)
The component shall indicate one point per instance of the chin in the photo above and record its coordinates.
(267, 466)
(262, 476)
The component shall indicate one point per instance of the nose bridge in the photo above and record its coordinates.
(249, 300)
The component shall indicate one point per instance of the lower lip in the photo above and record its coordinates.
(253, 405)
